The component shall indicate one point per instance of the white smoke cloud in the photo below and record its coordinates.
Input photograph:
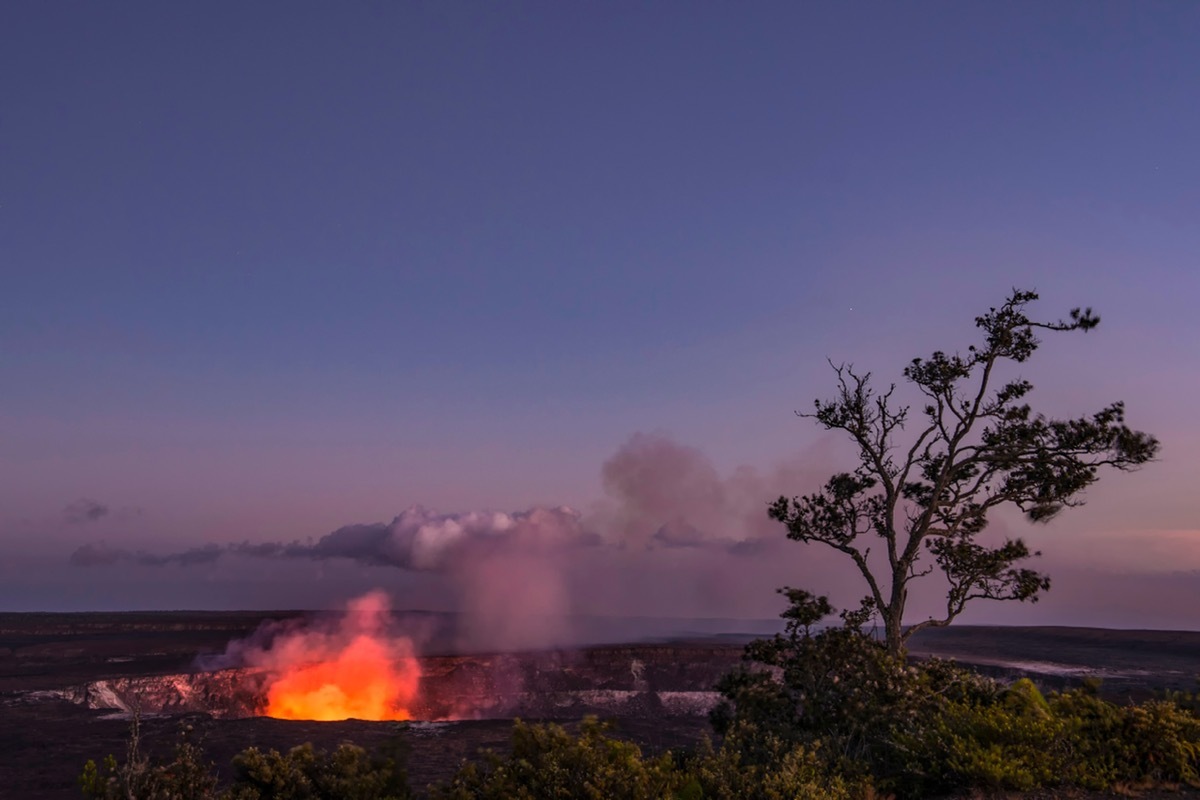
(665, 494)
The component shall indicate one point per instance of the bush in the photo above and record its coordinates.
(1012, 744)
(548, 762)
(781, 772)
(1069, 739)
(348, 773)
(1186, 700)
(1156, 742)
(837, 691)
(839, 696)
(185, 777)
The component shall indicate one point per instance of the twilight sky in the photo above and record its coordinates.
(271, 269)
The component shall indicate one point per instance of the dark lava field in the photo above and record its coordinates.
(67, 682)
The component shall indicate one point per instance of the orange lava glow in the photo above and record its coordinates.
(356, 672)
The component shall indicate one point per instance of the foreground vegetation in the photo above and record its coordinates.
(933, 728)
(1016, 740)
(827, 713)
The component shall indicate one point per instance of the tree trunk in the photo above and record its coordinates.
(894, 614)
(893, 630)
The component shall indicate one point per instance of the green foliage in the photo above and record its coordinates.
(187, 776)
(1155, 741)
(348, 773)
(781, 771)
(548, 762)
(838, 690)
(1189, 700)
(1070, 739)
(839, 696)
(1008, 744)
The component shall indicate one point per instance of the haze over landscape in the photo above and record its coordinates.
(506, 309)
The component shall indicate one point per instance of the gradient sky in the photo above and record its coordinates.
(267, 269)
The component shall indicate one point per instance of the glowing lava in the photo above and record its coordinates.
(361, 683)
(355, 671)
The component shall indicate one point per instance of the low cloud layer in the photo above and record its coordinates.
(418, 539)
(103, 554)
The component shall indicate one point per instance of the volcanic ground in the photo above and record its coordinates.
(69, 681)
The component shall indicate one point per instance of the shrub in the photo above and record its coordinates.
(1189, 701)
(1157, 741)
(348, 773)
(1012, 744)
(185, 777)
(838, 692)
(782, 772)
(841, 697)
(1073, 738)
(548, 762)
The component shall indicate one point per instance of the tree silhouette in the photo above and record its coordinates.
(979, 446)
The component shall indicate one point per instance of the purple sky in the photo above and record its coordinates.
(270, 269)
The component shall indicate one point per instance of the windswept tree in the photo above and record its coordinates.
(978, 446)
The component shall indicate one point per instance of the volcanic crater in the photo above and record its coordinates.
(620, 681)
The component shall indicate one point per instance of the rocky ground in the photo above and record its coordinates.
(48, 663)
